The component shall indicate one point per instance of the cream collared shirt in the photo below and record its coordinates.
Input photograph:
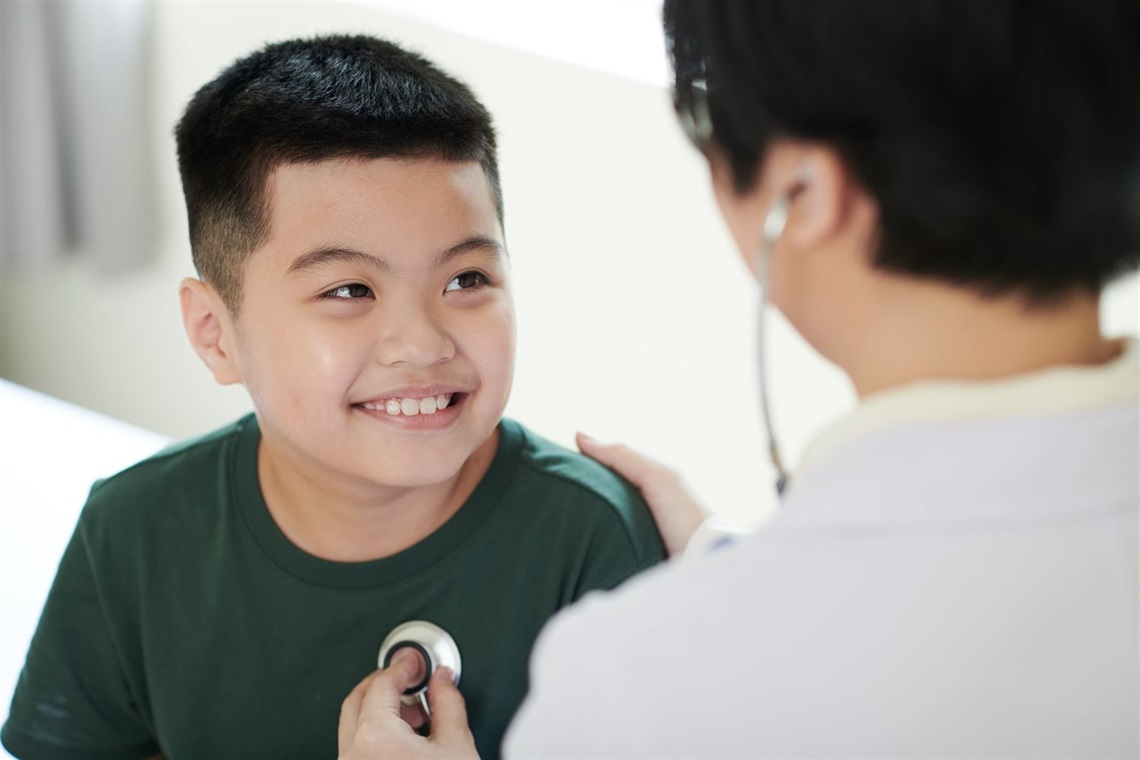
(954, 574)
(1057, 391)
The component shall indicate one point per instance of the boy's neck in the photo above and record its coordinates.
(345, 522)
(918, 331)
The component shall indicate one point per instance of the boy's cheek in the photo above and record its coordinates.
(495, 333)
(493, 351)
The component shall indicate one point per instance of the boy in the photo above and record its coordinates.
(346, 220)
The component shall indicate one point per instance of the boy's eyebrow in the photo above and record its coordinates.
(327, 255)
(476, 243)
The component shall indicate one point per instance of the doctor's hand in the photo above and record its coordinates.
(371, 725)
(676, 512)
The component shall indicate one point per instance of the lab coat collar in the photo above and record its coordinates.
(1052, 392)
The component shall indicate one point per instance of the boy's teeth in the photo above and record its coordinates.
(410, 407)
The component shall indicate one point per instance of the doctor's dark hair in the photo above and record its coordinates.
(1000, 138)
(301, 101)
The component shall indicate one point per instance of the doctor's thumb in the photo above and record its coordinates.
(449, 729)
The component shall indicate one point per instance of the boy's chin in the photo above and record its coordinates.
(418, 473)
(416, 480)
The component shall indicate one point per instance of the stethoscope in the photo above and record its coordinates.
(774, 224)
(435, 646)
(697, 123)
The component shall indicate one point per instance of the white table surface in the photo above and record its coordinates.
(50, 454)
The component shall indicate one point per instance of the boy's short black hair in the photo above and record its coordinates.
(311, 100)
(1000, 138)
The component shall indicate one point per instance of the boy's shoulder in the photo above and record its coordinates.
(547, 459)
(563, 480)
(180, 473)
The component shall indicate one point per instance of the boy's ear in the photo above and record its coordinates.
(210, 329)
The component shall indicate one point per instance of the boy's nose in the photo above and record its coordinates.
(415, 340)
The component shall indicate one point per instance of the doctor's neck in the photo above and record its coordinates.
(915, 330)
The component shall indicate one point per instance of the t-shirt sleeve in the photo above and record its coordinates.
(72, 699)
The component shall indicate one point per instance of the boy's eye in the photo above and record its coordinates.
(352, 290)
(466, 281)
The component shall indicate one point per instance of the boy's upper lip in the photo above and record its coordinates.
(417, 391)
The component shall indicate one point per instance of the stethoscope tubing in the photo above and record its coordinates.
(774, 224)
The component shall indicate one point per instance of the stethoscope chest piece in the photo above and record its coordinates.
(433, 643)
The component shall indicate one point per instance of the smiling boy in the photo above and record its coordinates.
(376, 338)
(222, 598)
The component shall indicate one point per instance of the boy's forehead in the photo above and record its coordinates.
(343, 178)
(386, 203)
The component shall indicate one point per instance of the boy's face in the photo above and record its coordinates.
(376, 333)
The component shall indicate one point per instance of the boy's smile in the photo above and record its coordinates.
(376, 330)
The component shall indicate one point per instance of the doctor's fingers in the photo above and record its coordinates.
(376, 701)
(645, 473)
(675, 510)
(382, 694)
(350, 714)
(449, 729)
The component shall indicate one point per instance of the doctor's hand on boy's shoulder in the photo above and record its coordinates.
(677, 513)
(372, 725)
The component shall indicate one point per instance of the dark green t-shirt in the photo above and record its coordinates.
(183, 621)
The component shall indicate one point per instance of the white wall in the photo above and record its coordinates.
(636, 321)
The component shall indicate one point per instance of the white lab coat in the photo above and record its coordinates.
(954, 574)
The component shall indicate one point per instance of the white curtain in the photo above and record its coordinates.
(76, 172)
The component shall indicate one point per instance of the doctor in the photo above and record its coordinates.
(934, 193)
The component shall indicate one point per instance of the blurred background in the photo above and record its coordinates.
(636, 319)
